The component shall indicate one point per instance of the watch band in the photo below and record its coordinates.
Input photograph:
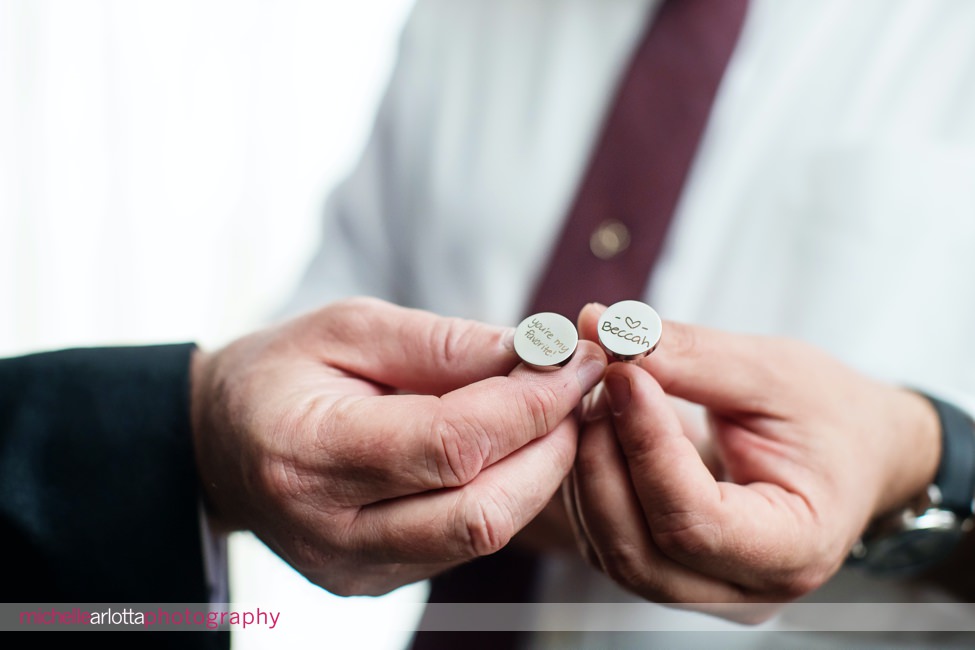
(956, 469)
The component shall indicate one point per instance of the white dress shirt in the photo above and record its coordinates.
(832, 198)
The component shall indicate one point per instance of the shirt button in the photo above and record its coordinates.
(609, 240)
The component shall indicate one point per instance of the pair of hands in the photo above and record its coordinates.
(371, 446)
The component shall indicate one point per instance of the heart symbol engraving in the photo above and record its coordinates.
(632, 324)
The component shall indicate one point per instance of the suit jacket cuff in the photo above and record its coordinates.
(98, 485)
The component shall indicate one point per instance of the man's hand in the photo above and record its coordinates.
(372, 446)
(810, 451)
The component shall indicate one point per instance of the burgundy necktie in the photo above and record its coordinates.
(615, 230)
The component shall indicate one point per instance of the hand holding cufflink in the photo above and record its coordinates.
(371, 446)
(812, 450)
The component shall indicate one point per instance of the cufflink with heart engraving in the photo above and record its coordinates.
(629, 330)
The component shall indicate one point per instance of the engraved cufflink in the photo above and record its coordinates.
(545, 340)
(629, 330)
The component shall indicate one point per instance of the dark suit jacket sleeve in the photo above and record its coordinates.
(98, 488)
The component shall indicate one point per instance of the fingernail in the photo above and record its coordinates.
(590, 372)
(618, 391)
(508, 339)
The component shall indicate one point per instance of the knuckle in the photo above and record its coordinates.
(782, 357)
(800, 583)
(542, 404)
(341, 319)
(448, 339)
(487, 526)
(335, 440)
(459, 453)
(280, 480)
(339, 419)
(785, 355)
(804, 579)
(336, 313)
(354, 306)
(681, 340)
(686, 535)
(626, 565)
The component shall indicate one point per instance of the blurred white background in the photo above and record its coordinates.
(163, 164)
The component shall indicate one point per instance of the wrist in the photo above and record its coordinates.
(200, 402)
(915, 446)
(924, 530)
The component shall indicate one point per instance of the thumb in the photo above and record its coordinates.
(721, 370)
(668, 474)
(728, 372)
(716, 528)
(409, 349)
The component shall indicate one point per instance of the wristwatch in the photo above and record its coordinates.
(931, 526)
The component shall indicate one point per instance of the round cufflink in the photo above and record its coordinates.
(546, 339)
(629, 330)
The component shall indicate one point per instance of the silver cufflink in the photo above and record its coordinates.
(630, 330)
(546, 339)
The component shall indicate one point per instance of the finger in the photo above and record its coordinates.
(697, 424)
(723, 370)
(570, 496)
(389, 446)
(478, 519)
(410, 349)
(654, 445)
(595, 405)
(750, 535)
(588, 321)
(720, 370)
(613, 521)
